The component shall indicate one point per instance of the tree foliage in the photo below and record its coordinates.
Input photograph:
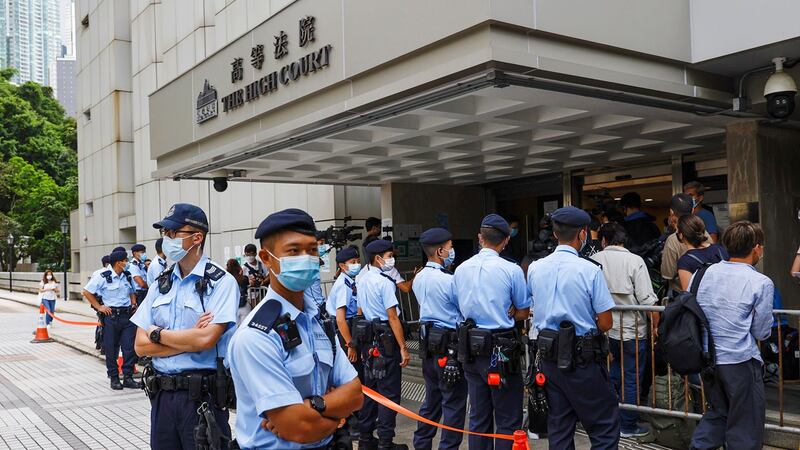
(38, 170)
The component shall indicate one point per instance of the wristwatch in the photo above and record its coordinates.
(155, 335)
(318, 403)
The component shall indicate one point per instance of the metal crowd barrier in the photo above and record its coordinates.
(693, 405)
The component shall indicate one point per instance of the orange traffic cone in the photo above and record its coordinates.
(119, 364)
(41, 328)
(520, 440)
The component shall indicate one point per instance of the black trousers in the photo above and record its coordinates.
(736, 416)
(173, 416)
(118, 332)
(450, 405)
(373, 415)
(492, 409)
(584, 394)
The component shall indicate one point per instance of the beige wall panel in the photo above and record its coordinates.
(622, 23)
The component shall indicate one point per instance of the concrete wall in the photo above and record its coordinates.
(721, 27)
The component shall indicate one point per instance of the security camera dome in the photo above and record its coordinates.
(780, 91)
(779, 82)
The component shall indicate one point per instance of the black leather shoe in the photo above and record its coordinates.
(389, 445)
(368, 444)
(130, 383)
(115, 384)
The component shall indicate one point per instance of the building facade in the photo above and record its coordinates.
(31, 29)
(427, 113)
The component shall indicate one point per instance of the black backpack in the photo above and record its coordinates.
(681, 331)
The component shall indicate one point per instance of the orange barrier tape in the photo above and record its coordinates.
(72, 322)
(412, 415)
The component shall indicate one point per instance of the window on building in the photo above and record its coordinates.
(88, 115)
(89, 209)
(85, 21)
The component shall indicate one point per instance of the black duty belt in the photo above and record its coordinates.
(203, 382)
(585, 349)
(120, 309)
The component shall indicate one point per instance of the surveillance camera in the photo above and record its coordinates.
(220, 184)
(780, 92)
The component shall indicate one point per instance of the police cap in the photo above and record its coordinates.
(496, 222)
(138, 248)
(291, 219)
(346, 254)
(435, 236)
(182, 214)
(116, 257)
(570, 215)
(105, 260)
(379, 246)
(119, 249)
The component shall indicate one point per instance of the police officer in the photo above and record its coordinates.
(342, 308)
(294, 385)
(185, 324)
(571, 301)
(445, 386)
(138, 270)
(116, 289)
(157, 266)
(491, 296)
(386, 353)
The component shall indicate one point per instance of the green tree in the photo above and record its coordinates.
(38, 170)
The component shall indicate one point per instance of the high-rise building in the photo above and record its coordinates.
(31, 31)
(63, 82)
(66, 13)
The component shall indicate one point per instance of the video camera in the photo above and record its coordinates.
(546, 241)
(651, 252)
(340, 236)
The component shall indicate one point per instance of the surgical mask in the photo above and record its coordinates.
(388, 264)
(49, 277)
(353, 269)
(298, 273)
(323, 250)
(251, 259)
(514, 232)
(583, 242)
(173, 248)
(451, 256)
(142, 256)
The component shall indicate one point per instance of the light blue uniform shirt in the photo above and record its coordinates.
(342, 294)
(314, 293)
(566, 287)
(268, 377)
(116, 294)
(737, 301)
(486, 287)
(180, 308)
(157, 266)
(436, 295)
(376, 294)
(136, 269)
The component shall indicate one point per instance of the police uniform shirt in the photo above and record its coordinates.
(180, 308)
(565, 287)
(342, 295)
(314, 293)
(394, 274)
(436, 294)
(115, 294)
(268, 377)
(137, 269)
(155, 269)
(376, 294)
(487, 286)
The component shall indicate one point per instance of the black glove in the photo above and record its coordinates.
(378, 367)
(451, 372)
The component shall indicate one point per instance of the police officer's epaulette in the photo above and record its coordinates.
(128, 277)
(592, 261)
(164, 280)
(268, 318)
(107, 275)
(445, 271)
(213, 272)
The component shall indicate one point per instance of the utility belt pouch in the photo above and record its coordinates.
(547, 344)
(387, 339)
(424, 328)
(566, 346)
(480, 342)
(438, 341)
(463, 352)
(224, 394)
(510, 346)
(195, 385)
(362, 332)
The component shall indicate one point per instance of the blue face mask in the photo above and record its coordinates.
(514, 232)
(353, 270)
(450, 257)
(323, 250)
(297, 273)
(173, 248)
